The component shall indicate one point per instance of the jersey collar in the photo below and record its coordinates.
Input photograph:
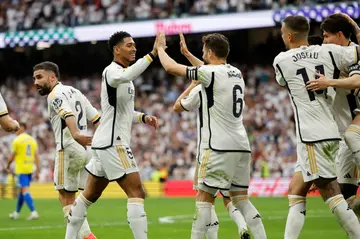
(58, 83)
(119, 64)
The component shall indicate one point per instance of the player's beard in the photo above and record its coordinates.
(43, 90)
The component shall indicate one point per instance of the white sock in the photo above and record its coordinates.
(237, 217)
(66, 210)
(213, 229)
(76, 217)
(345, 216)
(352, 139)
(85, 228)
(354, 204)
(251, 215)
(137, 217)
(296, 217)
(202, 218)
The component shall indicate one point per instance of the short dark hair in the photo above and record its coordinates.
(298, 24)
(48, 66)
(23, 124)
(337, 23)
(116, 38)
(218, 43)
(315, 40)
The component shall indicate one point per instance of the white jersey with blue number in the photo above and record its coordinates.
(222, 104)
(313, 110)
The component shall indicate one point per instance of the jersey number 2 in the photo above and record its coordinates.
(237, 101)
(79, 110)
(303, 73)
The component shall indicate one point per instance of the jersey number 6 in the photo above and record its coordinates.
(237, 101)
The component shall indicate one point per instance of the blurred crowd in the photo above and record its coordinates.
(18, 15)
(170, 151)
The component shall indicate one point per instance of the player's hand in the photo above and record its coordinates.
(36, 176)
(84, 140)
(183, 47)
(16, 126)
(152, 121)
(318, 84)
(8, 171)
(313, 188)
(195, 82)
(154, 50)
(161, 41)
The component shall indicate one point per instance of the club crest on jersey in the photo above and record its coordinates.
(57, 102)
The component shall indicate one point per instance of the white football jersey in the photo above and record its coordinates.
(3, 108)
(222, 90)
(294, 68)
(117, 104)
(65, 101)
(190, 103)
(345, 103)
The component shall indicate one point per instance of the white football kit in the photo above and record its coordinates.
(317, 132)
(112, 157)
(224, 147)
(189, 103)
(3, 108)
(344, 110)
(71, 157)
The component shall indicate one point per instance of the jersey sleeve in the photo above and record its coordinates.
(344, 56)
(279, 75)
(3, 108)
(192, 101)
(203, 74)
(91, 113)
(118, 75)
(138, 117)
(60, 104)
(354, 69)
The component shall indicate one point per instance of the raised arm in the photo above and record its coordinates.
(185, 51)
(170, 66)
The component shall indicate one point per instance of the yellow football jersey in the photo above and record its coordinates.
(24, 147)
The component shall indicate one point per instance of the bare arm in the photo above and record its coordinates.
(37, 163)
(185, 51)
(84, 140)
(9, 124)
(352, 82)
(10, 160)
(96, 125)
(177, 106)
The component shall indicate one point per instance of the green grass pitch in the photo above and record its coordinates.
(169, 218)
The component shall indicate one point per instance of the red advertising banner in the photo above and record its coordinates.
(277, 187)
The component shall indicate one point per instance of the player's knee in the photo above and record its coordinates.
(328, 187)
(348, 190)
(226, 201)
(352, 136)
(296, 199)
